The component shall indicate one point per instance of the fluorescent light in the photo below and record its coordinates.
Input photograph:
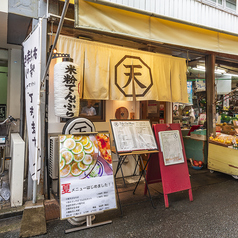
(217, 71)
(235, 75)
(200, 68)
(220, 71)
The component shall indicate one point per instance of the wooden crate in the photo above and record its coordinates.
(223, 159)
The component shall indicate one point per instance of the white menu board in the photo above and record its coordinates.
(86, 175)
(170, 143)
(133, 135)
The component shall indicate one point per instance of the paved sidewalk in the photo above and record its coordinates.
(213, 213)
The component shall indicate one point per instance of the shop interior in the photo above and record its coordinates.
(192, 117)
(193, 113)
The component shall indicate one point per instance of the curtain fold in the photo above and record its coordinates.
(121, 88)
(162, 78)
(96, 73)
(178, 81)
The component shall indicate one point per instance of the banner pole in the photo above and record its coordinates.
(66, 4)
(34, 191)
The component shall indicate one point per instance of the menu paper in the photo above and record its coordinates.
(170, 143)
(133, 136)
(86, 175)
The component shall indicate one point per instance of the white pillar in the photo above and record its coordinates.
(17, 170)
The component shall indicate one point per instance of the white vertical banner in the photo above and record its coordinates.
(32, 68)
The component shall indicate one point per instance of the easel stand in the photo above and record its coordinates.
(174, 177)
(121, 159)
(88, 223)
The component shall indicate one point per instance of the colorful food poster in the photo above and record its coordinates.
(86, 174)
(170, 143)
(133, 135)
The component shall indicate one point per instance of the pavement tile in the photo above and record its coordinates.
(213, 212)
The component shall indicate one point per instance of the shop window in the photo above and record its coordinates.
(217, 1)
(231, 4)
(94, 110)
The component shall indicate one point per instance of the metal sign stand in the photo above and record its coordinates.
(121, 159)
(88, 223)
(128, 136)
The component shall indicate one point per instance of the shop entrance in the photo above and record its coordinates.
(153, 110)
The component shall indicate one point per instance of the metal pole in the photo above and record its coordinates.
(34, 191)
(66, 4)
(46, 136)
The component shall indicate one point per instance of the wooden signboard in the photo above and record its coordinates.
(133, 135)
(172, 168)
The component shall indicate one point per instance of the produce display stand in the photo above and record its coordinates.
(175, 176)
(133, 138)
(223, 159)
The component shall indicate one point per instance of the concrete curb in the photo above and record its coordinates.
(10, 212)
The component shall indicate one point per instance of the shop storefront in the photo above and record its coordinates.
(135, 65)
(100, 64)
(117, 81)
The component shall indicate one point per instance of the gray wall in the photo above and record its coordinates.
(3, 85)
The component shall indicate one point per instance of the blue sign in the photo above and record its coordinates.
(190, 92)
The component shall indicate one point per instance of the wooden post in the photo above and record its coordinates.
(210, 93)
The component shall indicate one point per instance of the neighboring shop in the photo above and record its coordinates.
(223, 144)
(193, 119)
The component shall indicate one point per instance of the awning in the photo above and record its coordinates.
(111, 72)
(113, 20)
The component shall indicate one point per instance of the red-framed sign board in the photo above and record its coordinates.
(174, 175)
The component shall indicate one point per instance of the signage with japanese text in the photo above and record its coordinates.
(66, 89)
(170, 144)
(200, 85)
(121, 73)
(32, 69)
(190, 92)
(86, 174)
(133, 135)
